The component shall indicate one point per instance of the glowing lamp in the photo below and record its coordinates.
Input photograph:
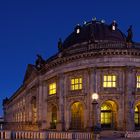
(95, 96)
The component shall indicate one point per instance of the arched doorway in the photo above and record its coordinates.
(109, 115)
(77, 116)
(137, 116)
(54, 117)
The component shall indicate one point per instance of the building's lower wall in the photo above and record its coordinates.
(21, 126)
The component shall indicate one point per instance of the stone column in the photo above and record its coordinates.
(120, 116)
(29, 108)
(93, 89)
(60, 88)
(44, 106)
(40, 101)
(129, 98)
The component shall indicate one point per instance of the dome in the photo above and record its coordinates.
(94, 31)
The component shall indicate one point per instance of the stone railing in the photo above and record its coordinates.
(132, 134)
(5, 135)
(45, 135)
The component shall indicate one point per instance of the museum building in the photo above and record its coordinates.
(95, 60)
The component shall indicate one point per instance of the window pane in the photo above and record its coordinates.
(138, 81)
(52, 88)
(114, 84)
(136, 118)
(76, 81)
(113, 78)
(72, 81)
(80, 86)
(76, 87)
(105, 79)
(80, 80)
(109, 78)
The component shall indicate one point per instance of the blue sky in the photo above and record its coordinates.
(29, 27)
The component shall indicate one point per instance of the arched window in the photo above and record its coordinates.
(106, 115)
(54, 117)
(136, 116)
(77, 113)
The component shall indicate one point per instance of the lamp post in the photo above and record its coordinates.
(95, 98)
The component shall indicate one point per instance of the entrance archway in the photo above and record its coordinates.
(109, 115)
(77, 116)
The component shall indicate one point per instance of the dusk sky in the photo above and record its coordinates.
(30, 27)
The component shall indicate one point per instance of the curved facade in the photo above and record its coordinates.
(56, 93)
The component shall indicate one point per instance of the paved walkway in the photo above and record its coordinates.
(114, 135)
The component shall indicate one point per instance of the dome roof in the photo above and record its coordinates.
(94, 31)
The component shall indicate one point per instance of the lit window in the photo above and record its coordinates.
(109, 81)
(113, 28)
(136, 115)
(138, 81)
(78, 31)
(76, 83)
(52, 88)
(106, 117)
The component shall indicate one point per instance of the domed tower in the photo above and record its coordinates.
(94, 32)
(98, 58)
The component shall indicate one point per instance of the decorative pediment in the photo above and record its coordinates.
(31, 71)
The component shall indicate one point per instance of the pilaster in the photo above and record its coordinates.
(44, 104)
(93, 88)
(40, 98)
(129, 98)
(60, 122)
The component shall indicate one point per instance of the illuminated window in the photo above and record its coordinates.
(136, 116)
(78, 31)
(106, 116)
(109, 81)
(76, 83)
(138, 81)
(52, 88)
(77, 118)
(113, 28)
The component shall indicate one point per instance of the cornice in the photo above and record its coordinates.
(91, 54)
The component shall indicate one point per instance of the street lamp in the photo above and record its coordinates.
(95, 98)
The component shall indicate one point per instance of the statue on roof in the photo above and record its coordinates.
(60, 44)
(40, 62)
(129, 35)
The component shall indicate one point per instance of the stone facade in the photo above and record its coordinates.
(33, 108)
